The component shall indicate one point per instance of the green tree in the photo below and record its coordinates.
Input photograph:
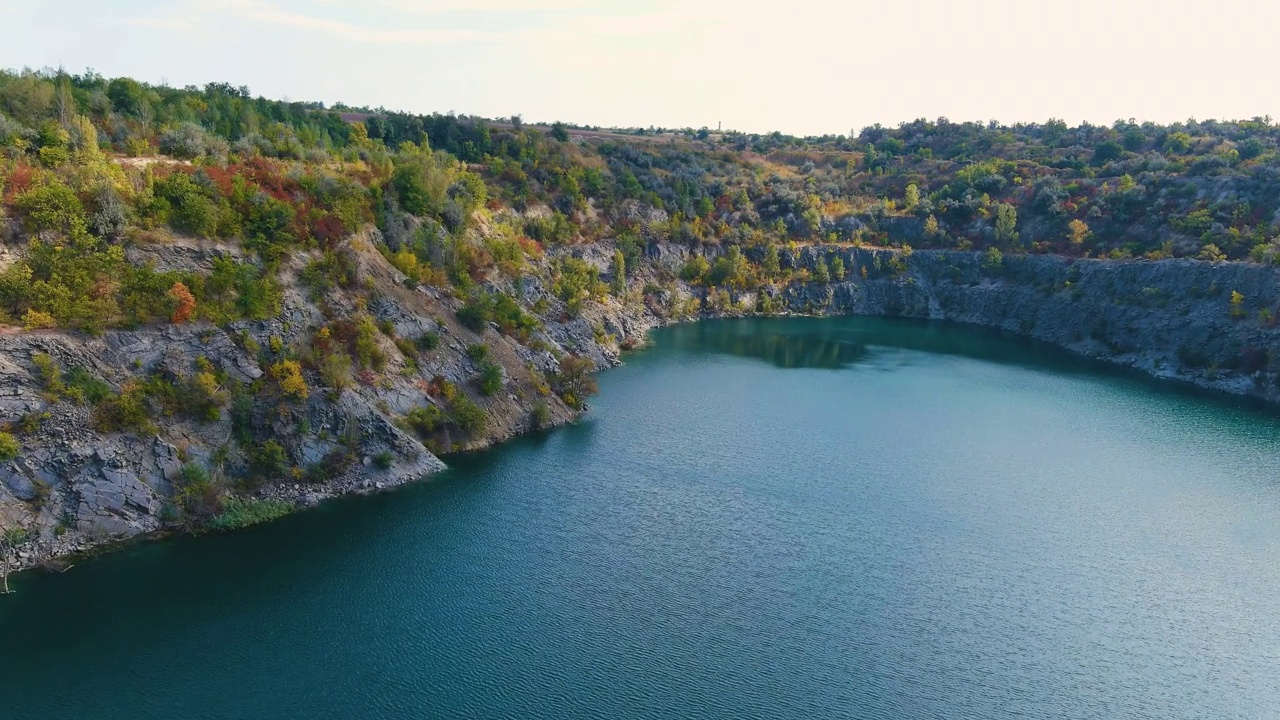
(912, 197)
(51, 207)
(993, 259)
(820, 272)
(837, 267)
(1006, 223)
(489, 380)
(771, 266)
(468, 416)
(619, 272)
(128, 97)
(731, 270)
(695, 269)
(1177, 143)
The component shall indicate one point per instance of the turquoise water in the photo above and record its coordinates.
(843, 518)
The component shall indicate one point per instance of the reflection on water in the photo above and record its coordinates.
(834, 343)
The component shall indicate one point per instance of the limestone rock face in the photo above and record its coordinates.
(72, 487)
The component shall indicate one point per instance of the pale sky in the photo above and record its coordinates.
(800, 66)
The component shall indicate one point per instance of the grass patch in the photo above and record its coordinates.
(238, 512)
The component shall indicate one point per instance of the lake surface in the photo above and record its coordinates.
(838, 518)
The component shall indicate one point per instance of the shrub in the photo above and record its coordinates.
(196, 493)
(126, 412)
(575, 281)
(490, 378)
(541, 414)
(428, 341)
(478, 352)
(498, 308)
(367, 351)
(992, 260)
(36, 320)
(269, 460)
(695, 269)
(424, 420)
(335, 269)
(50, 374)
(9, 447)
(82, 386)
(335, 371)
(201, 396)
(335, 463)
(469, 417)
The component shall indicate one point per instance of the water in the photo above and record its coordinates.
(844, 518)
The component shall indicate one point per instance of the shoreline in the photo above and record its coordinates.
(1028, 298)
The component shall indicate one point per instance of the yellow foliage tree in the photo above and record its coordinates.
(288, 374)
(1079, 232)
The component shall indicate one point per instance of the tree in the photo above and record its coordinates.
(574, 381)
(619, 271)
(11, 538)
(993, 259)
(731, 270)
(820, 272)
(931, 226)
(1211, 253)
(771, 267)
(912, 197)
(288, 373)
(1006, 223)
(695, 269)
(52, 206)
(128, 97)
(559, 132)
(837, 268)
(184, 303)
(1177, 143)
(1107, 151)
(1079, 232)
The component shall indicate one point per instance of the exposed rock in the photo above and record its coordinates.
(74, 488)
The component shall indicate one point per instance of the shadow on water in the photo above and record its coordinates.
(833, 343)
(838, 342)
(305, 550)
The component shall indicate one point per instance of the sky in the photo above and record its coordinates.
(799, 66)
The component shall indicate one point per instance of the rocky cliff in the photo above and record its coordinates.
(1211, 324)
(73, 486)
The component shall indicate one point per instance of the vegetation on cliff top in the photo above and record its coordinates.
(91, 162)
(91, 167)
